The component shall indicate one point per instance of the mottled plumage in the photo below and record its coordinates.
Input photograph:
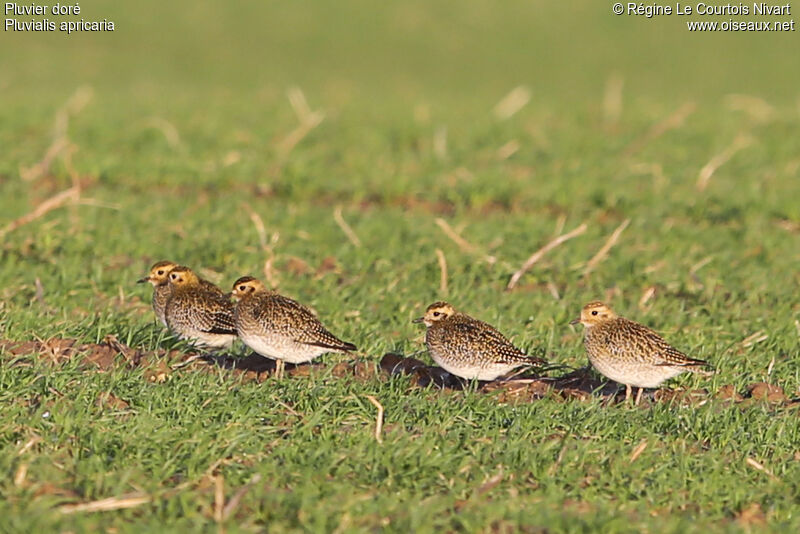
(159, 278)
(198, 311)
(470, 348)
(628, 352)
(278, 327)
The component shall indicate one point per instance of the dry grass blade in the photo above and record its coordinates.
(491, 482)
(73, 105)
(462, 243)
(131, 500)
(39, 294)
(440, 143)
(39, 168)
(708, 170)
(348, 231)
(560, 458)
(20, 475)
(308, 121)
(442, 272)
(646, 296)
(760, 467)
(756, 107)
(98, 204)
(488, 485)
(536, 256)
(297, 135)
(514, 101)
(788, 225)
(561, 222)
(56, 201)
(30, 443)
(700, 264)
(603, 252)
(378, 418)
(754, 338)
(270, 273)
(299, 104)
(670, 123)
(237, 497)
(612, 100)
(638, 451)
(551, 287)
(219, 497)
(258, 223)
(266, 245)
(188, 361)
(508, 149)
(169, 131)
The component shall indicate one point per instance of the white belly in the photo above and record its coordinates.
(210, 341)
(288, 351)
(486, 373)
(639, 375)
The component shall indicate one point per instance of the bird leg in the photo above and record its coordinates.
(638, 397)
(278, 369)
(627, 392)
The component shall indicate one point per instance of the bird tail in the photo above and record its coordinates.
(536, 361)
(693, 365)
(341, 346)
(701, 367)
(523, 361)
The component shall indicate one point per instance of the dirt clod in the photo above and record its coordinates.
(728, 393)
(767, 392)
(108, 400)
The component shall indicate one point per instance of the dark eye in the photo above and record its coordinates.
(436, 314)
(160, 273)
(594, 312)
(242, 288)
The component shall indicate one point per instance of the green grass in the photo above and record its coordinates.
(388, 77)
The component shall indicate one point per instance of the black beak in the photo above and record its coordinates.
(143, 280)
(575, 321)
(418, 320)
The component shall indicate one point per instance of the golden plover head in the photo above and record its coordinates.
(438, 311)
(245, 286)
(159, 273)
(594, 313)
(182, 276)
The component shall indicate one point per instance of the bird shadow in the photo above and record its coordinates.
(577, 383)
(252, 362)
(258, 367)
(423, 375)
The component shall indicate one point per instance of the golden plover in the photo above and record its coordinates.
(470, 348)
(630, 353)
(280, 328)
(198, 311)
(159, 278)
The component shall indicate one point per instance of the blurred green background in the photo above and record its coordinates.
(354, 53)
